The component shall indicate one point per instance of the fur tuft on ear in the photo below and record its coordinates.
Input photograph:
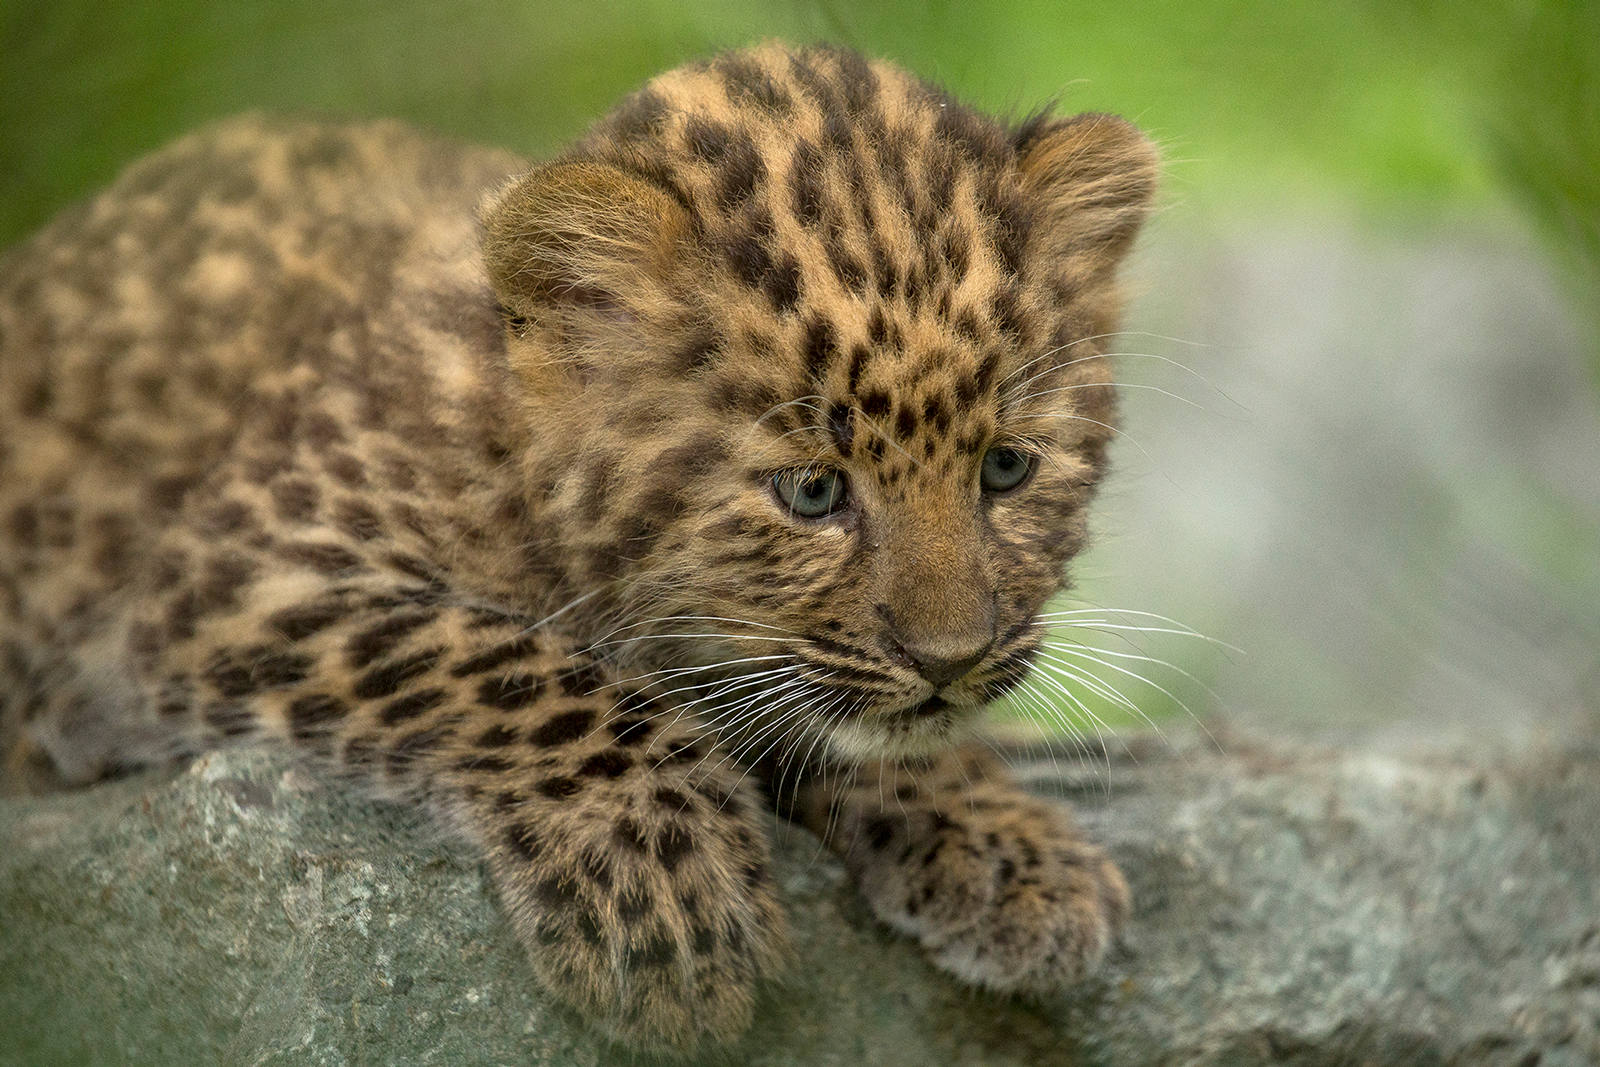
(1094, 177)
(580, 235)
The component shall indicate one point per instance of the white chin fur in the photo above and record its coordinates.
(860, 741)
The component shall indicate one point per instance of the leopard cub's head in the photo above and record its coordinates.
(811, 355)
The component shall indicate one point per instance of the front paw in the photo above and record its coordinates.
(642, 890)
(998, 886)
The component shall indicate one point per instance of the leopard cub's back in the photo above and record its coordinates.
(267, 326)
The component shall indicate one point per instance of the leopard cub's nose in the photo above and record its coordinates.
(941, 670)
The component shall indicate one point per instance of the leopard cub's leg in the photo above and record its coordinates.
(999, 886)
(630, 857)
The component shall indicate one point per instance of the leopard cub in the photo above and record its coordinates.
(724, 462)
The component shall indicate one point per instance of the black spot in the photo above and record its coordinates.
(655, 953)
(968, 327)
(842, 425)
(1008, 311)
(706, 139)
(411, 705)
(521, 840)
(640, 116)
(589, 929)
(875, 403)
(747, 84)
(243, 672)
(608, 764)
(742, 170)
(972, 134)
(913, 286)
(24, 527)
(860, 83)
(673, 845)
(496, 736)
(697, 353)
(885, 270)
(304, 620)
(806, 184)
(167, 494)
(357, 520)
(630, 730)
(935, 415)
(416, 568)
(295, 500)
(905, 422)
(627, 833)
(228, 517)
(562, 729)
(879, 831)
(634, 903)
(748, 256)
(683, 752)
(966, 391)
(511, 692)
(818, 349)
(309, 714)
(703, 940)
(232, 717)
(782, 284)
(321, 430)
(498, 656)
(556, 893)
(346, 468)
(987, 369)
(681, 466)
(325, 558)
(1011, 235)
(224, 577)
(558, 787)
(372, 644)
(145, 642)
(847, 267)
(598, 870)
(385, 680)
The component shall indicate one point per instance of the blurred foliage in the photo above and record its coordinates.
(1417, 105)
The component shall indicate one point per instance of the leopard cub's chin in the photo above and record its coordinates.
(912, 731)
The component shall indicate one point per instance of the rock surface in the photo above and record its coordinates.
(1295, 904)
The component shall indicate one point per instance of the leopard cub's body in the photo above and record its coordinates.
(726, 460)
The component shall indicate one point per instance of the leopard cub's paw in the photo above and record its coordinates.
(644, 898)
(1001, 890)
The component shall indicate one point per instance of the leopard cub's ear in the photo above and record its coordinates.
(1093, 177)
(576, 237)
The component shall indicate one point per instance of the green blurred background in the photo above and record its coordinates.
(1403, 105)
(1337, 171)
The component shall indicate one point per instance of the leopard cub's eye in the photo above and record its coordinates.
(810, 492)
(1004, 468)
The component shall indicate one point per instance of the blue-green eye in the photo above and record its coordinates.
(1004, 468)
(810, 492)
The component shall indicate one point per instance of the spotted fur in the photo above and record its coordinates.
(468, 479)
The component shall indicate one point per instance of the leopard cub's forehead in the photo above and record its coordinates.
(865, 237)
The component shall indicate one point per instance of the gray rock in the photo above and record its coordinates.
(1294, 905)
